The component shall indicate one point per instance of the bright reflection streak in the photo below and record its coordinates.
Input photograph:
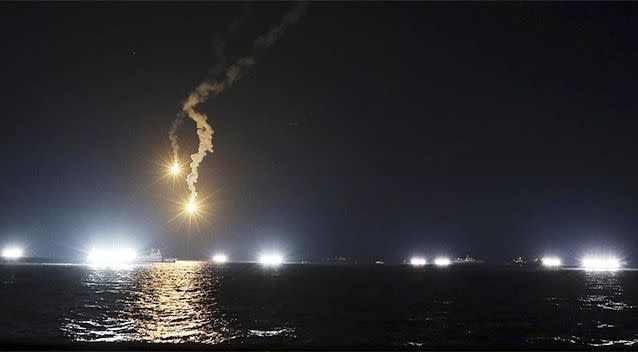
(270, 259)
(418, 261)
(111, 257)
(220, 258)
(551, 261)
(158, 303)
(12, 253)
(601, 263)
(442, 261)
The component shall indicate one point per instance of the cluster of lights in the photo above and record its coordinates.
(551, 262)
(601, 263)
(12, 253)
(421, 261)
(418, 261)
(220, 258)
(271, 259)
(111, 257)
(442, 261)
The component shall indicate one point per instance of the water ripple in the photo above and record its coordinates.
(154, 303)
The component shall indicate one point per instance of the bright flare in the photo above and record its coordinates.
(418, 261)
(111, 256)
(442, 261)
(601, 263)
(220, 258)
(191, 207)
(12, 253)
(175, 169)
(551, 261)
(271, 259)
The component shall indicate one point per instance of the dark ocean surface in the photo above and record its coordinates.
(319, 305)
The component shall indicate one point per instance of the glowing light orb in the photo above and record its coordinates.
(191, 207)
(220, 258)
(551, 261)
(442, 261)
(601, 263)
(271, 259)
(108, 257)
(418, 261)
(175, 169)
(12, 253)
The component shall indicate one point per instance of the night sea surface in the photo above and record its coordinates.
(319, 305)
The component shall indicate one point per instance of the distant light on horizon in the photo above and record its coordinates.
(418, 261)
(442, 261)
(12, 252)
(270, 259)
(551, 261)
(109, 257)
(220, 258)
(609, 263)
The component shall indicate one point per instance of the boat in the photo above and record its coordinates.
(155, 256)
(466, 260)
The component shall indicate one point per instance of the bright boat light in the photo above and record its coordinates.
(417, 261)
(551, 261)
(220, 258)
(12, 253)
(270, 259)
(442, 261)
(106, 257)
(601, 263)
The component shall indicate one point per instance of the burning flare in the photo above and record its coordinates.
(191, 207)
(175, 169)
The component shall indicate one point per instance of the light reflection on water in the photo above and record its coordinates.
(250, 305)
(605, 305)
(604, 291)
(167, 303)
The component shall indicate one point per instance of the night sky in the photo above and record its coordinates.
(370, 130)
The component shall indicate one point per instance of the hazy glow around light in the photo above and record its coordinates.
(418, 261)
(175, 169)
(270, 259)
(12, 252)
(111, 256)
(601, 263)
(442, 261)
(220, 258)
(551, 261)
(191, 207)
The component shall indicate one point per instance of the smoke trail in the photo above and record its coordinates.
(204, 130)
(219, 45)
(211, 88)
(172, 135)
(219, 41)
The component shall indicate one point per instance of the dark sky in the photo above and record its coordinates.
(373, 130)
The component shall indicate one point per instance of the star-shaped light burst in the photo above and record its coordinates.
(193, 211)
(191, 207)
(175, 169)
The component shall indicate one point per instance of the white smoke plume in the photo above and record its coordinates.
(172, 135)
(219, 45)
(211, 88)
